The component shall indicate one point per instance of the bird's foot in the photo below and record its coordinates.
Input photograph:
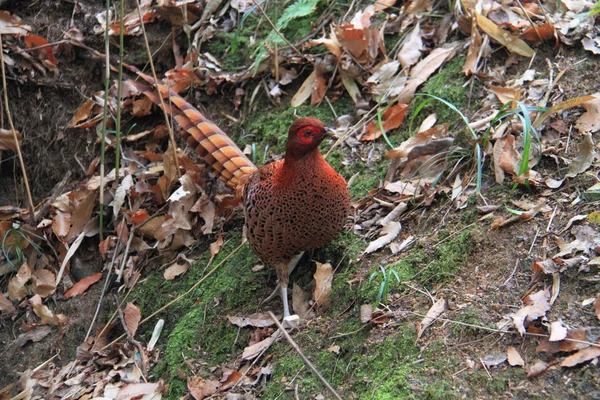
(291, 321)
(271, 296)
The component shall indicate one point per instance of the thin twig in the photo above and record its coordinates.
(276, 30)
(306, 360)
(58, 189)
(14, 133)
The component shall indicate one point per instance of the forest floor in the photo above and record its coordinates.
(468, 268)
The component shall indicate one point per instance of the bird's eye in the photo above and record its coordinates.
(306, 135)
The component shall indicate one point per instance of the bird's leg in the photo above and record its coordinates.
(292, 264)
(284, 298)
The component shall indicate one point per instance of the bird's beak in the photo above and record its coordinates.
(330, 131)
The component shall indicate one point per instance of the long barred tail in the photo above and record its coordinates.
(224, 157)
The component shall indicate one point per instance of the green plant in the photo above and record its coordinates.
(12, 242)
(385, 276)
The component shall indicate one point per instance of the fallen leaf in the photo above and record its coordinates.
(581, 356)
(512, 42)
(34, 335)
(43, 282)
(536, 369)
(257, 320)
(176, 269)
(138, 391)
(514, 358)
(6, 306)
(366, 311)
(425, 68)
(410, 52)
(253, 351)
(323, 278)
(301, 303)
(585, 156)
(305, 90)
(7, 139)
(434, 312)
(392, 118)
(81, 286)
(215, 247)
(389, 232)
(558, 331)
(43, 312)
(597, 307)
(132, 316)
(494, 360)
(536, 306)
(16, 286)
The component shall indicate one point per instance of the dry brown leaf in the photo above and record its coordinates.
(120, 194)
(558, 331)
(473, 53)
(43, 282)
(6, 306)
(207, 210)
(410, 52)
(536, 306)
(16, 286)
(215, 247)
(305, 90)
(301, 303)
(585, 156)
(132, 316)
(536, 369)
(176, 269)
(332, 45)
(35, 335)
(597, 307)
(366, 311)
(82, 285)
(7, 139)
(318, 90)
(505, 94)
(61, 223)
(139, 391)
(253, 351)
(323, 278)
(388, 233)
(514, 358)
(581, 356)
(563, 105)
(381, 5)
(512, 42)
(580, 338)
(434, 312)
(420, 139)
(351, 88)
(257, 320)
(509, 157)
(392, 118)
(82, 118)
(84, 202)
(43, 312)
(425, 68)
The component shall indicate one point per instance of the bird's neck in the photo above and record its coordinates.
(293, 167)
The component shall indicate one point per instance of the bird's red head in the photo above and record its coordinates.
(305, 135)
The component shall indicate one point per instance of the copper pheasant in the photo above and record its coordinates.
(292, 205)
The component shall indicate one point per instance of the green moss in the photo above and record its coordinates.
(361, 368)
(450, 256)
(470, 316)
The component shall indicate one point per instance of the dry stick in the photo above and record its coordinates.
(14, 133)
(301, 354)
(169, 304)
(162, 103)
(105, 287)
(39, 214)
(275, 29)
